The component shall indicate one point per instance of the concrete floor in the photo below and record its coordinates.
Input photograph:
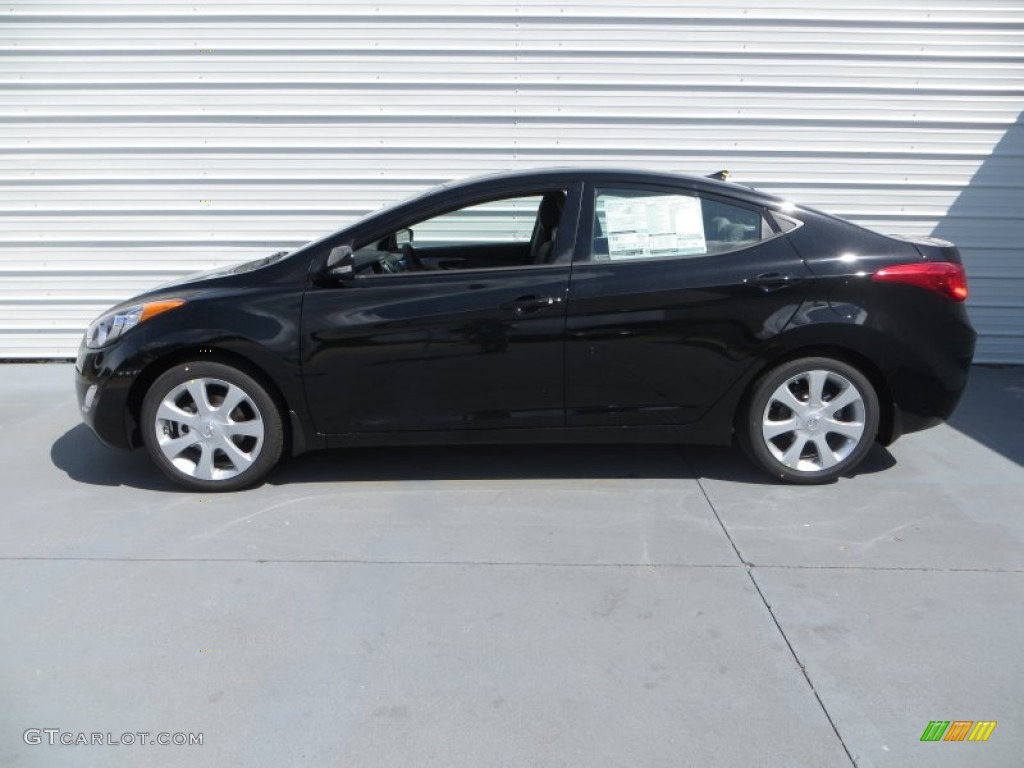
(513, 606)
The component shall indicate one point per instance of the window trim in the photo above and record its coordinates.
(433, 274)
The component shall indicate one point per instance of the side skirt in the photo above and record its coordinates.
(695, 433)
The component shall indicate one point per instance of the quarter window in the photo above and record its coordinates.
(645, 224)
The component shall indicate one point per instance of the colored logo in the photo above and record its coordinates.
(958, 730)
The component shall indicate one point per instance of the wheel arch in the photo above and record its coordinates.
(160, 365)
(888, 421)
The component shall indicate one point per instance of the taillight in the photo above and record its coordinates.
(943, 277)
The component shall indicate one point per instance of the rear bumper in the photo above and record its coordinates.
(927, 392)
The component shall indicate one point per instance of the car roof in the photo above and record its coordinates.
(609, 175)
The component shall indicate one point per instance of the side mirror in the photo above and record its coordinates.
(341, 262)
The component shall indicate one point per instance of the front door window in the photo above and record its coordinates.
(510, 232)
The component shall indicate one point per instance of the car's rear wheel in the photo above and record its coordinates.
(810, 420)
(211, 427)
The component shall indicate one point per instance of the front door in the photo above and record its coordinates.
(454, 323)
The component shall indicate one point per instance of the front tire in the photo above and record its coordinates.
(810, 420)
(211, 427)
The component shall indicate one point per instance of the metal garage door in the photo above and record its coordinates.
(139, 141)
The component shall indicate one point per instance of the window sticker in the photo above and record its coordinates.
(660, 225)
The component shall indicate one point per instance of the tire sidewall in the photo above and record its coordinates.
(273, 431)
(753, 442)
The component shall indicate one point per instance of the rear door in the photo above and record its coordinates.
(672, 297)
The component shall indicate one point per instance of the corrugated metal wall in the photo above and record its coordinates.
(139, 141)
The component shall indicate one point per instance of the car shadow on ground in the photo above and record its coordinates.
(991, 410)
(79, 454)
(83, 458)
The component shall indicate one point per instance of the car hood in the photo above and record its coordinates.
(209, 274)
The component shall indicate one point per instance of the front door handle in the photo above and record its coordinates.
(773, 281)
(524, 305)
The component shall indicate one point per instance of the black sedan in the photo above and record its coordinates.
(570, 306)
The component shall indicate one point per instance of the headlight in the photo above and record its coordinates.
(113, 324)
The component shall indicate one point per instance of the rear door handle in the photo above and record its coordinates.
(773, 281)
(524, 305)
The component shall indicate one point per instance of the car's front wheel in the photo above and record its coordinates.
(211, 427)
(810, 420)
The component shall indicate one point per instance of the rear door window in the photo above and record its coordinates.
(650, 224)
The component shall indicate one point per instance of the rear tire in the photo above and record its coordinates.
(211, 427)
(810, 420)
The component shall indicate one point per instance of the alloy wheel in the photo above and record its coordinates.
(209, 429)
(814, 420)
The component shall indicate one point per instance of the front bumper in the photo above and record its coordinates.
(103, 388)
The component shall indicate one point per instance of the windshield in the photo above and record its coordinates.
(387, 207)
(381, 211)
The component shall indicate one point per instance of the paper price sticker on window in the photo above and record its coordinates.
(660, 225)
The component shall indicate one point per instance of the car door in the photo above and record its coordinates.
(462, 343)
(672, 296)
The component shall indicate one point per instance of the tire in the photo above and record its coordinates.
(199, 444)
(809, 420)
